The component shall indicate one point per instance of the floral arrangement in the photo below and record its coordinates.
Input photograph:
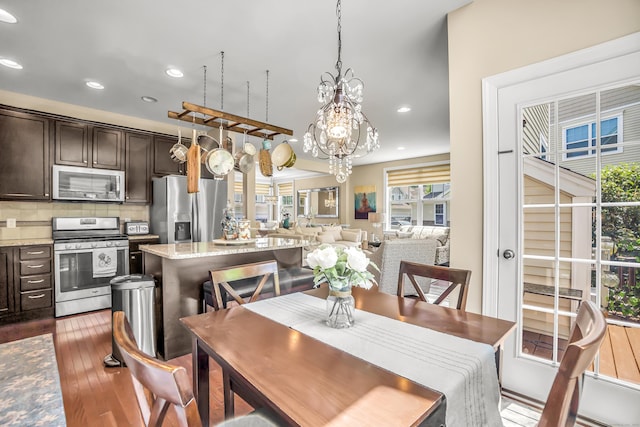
(340, 267)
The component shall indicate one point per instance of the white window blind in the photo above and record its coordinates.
(420, 175)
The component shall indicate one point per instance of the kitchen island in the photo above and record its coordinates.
(181, 268)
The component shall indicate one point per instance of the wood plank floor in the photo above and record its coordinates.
(94, 395)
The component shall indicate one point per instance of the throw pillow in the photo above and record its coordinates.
(336, 230)
(325, 238)
(351, 235)
(404, 235)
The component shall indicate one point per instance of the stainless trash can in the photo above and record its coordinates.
(135, 295)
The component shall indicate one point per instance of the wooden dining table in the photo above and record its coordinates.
(305, 381)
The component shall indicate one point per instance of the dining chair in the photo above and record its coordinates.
(158, 385)
(454, 278)
(585, 338)
(231, 283)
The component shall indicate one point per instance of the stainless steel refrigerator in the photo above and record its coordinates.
(178, 216)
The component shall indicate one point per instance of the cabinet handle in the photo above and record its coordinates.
(35, 296)
(95, 163)
(35, 281)
(133, 257)
(46, 194)
(36, 266)
(84, 161)
(19, 194)
(35, 253)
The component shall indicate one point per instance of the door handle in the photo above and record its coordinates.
(508, 254)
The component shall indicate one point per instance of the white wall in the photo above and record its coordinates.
(488, 37)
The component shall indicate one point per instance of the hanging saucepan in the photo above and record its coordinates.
(178, 151)
(219, 162)
(207, 143)
(244, 162)
(244, 158)
(283, 156)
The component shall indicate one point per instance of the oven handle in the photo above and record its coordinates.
(87, 250)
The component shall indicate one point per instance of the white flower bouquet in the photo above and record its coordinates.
(341, 268)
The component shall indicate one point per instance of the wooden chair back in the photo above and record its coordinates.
(220, 279)
(158, 385)
(587, 334)
(456, 278)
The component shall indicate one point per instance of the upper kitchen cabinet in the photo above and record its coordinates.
(26, 158)
(138, 167)
(162, 163)
(81, 144)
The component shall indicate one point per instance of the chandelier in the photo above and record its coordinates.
(330, 202)
(335, 133)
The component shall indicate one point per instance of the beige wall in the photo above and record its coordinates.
(488, 37)
(374, 175)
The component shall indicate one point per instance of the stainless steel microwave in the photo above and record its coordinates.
(87, 184)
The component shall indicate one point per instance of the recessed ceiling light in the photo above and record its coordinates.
(94, 85)
(11, 64)
(404, 109)
(174, 72)
(293, 140)
(7, 17)
(148, 99)
(401, 148)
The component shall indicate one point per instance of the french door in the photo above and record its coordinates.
(562, 145)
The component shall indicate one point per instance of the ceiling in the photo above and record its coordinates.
(399, 50)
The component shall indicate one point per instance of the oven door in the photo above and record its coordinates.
(75, 276)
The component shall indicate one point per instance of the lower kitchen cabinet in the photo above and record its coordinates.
(26, 283)
(135, 254)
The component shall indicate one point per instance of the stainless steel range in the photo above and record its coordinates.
(88, 253)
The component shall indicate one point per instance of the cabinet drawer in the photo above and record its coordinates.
(34, 300)
(35, 266)
(31, 283)
(35, 252)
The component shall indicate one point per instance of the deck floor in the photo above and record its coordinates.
(619, 353)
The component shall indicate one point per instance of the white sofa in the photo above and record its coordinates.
(440, 234)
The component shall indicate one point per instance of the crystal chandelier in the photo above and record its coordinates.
(330, 202)
(335, 134)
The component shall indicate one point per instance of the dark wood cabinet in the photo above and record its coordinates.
(136, 265)
(108, 148)
(162, 163)
(6, 282)
(84, 145)
(26, 283)
(138, 167)
(25, 163)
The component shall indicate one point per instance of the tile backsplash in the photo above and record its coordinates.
(33, 219)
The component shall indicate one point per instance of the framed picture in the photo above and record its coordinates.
(364, 200)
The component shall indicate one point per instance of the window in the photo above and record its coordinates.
(416, 193)
(584, 136)
(544, 147)
(440, 214)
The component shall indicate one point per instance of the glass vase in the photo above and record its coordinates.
(340, 308)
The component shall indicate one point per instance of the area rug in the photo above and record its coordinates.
(30, 392)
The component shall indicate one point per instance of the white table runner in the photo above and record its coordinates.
(463, 370)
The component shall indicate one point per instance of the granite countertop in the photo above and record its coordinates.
(220, 247)
(25, 242)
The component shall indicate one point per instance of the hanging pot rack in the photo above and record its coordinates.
(230, 122)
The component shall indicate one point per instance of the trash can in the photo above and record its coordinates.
(135, 295)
